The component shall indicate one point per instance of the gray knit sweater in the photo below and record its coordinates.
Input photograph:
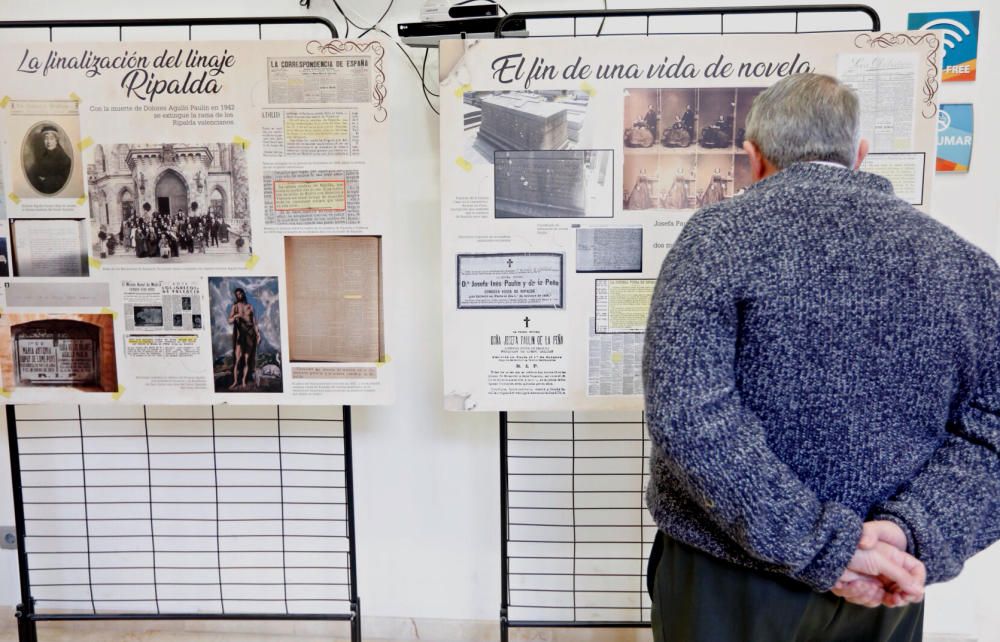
(820, 353)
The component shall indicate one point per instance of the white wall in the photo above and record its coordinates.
(427, 481)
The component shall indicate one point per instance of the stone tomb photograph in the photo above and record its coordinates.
(522, 121)
(170, 203)
(58, 350)
(554, 184)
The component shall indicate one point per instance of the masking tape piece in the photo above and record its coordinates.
(616, 357)
(243, 142)
(118, 395)
(352, 297)
(107, 310)
(461, 90)
(588, 88)
(85, 143)
(81, 200)
(252, 261)
(385, 360)
(4, 101)
(464, 164)
(94, 263)
(14, 197)
(73, 96)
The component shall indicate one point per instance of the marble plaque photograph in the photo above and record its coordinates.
(58, 350)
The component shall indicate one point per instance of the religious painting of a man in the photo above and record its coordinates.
(246, 334)
(245, 337)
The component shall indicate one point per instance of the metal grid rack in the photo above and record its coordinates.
(575, 533)
(155, 513)
(183, 512)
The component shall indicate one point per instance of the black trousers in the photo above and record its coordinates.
(699, 598)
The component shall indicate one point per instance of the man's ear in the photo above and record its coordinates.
(758, 166)
(862, 152)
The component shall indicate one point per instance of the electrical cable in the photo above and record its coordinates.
(380, 19)
(375, 27)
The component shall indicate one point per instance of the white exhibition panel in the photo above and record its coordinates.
(195, 221)
(568, 172)
(412, 451)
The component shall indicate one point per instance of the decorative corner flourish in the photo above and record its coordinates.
(886, 40)
(333, 47)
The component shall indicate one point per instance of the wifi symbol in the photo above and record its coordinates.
(950, 36)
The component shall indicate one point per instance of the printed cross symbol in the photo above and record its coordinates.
(510, 262)
(526, 321)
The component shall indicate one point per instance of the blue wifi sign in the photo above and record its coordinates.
(959, 31)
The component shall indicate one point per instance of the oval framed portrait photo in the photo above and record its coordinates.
(47, 157)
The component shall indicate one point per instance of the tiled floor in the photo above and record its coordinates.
(385, 630)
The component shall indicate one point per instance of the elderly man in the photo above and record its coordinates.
(822, 375)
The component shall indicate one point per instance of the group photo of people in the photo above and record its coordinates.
(166, 235)
(169, 201)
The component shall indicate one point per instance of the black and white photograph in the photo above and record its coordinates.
(178, 320)
(45, 158)
(4, 263)
(170, 203)
(609, 249)
(522, 121)
(185, 303)
(196, 321)
(147, 316)
(49, 247)
(554, 184)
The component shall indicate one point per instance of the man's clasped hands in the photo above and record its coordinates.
(881, 572)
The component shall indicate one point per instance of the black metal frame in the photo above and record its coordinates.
(722, 12)
(27, 619)
(505, 623)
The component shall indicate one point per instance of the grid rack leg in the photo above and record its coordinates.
(27, 629)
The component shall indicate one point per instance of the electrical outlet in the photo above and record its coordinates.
(8, 537)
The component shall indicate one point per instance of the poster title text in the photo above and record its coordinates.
(516, 68)
(145, 77)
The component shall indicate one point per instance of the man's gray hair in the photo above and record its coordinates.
(806, 117)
